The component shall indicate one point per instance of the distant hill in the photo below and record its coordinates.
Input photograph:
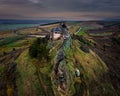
(113, 19)
(12, 21)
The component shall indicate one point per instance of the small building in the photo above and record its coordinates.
(56, 33)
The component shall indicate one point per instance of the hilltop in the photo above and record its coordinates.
(83, 62)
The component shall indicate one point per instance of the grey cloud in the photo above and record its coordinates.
(25, 3)
(68, 5)
(52, 6)
(87, 5)
(11, 16)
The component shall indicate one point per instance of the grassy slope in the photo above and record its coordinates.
(94, 79)
(92, 68)
(27, 81)
(30, 72)
(82, 31)
(17, 44)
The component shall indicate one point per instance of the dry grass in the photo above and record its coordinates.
(91, 67)
(50, 26)
(26, 82)
(29, 31)
(73, 29)
(91, 63)
(8, 33)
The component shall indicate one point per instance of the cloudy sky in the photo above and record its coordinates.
(59, 9)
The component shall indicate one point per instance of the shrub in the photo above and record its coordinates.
(39, 49)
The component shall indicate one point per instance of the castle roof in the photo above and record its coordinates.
(58, 29)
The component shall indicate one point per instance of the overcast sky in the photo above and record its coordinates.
(59, 9)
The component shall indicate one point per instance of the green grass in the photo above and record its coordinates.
(17, 44)
(91, 67)
(10, 40)
(47, 81)
(47, 69)
(27, 79)
(28, 75)
(21, 43)
(82, 31)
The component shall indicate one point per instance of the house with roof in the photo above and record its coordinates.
(56, 33)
